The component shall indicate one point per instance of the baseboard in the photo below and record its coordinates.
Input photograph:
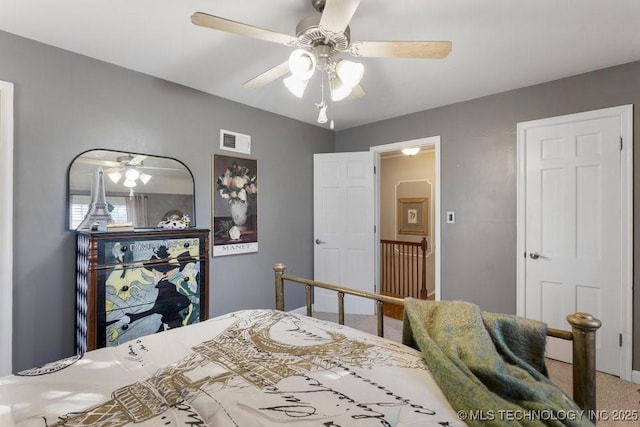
(300, 310)
(635, 377)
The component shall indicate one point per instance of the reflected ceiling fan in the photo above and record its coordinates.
(130, 167)
(122, 162)
(319, 40)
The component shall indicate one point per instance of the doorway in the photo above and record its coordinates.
(431, 144)
(347, 220)
(574, 227)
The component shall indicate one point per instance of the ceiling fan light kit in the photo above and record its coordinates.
(129, 165)
(319, 40)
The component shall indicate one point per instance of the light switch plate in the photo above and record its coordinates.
(451, 217)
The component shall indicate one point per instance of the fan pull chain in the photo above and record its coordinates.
(322, 107)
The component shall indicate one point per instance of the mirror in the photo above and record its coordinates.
(139, 189)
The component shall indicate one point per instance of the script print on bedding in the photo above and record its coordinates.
(270, 368)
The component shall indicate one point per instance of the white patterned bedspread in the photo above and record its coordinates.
(248, 368)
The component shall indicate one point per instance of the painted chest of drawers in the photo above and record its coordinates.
(135, 283)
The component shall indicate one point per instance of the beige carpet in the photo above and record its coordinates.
(392, 327)
(615, 398)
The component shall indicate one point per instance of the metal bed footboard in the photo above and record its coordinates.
(582, 334)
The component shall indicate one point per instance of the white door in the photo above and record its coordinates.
(344, 237)
(573, 229)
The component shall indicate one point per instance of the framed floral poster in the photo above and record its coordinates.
(412, 215)
(234, 205)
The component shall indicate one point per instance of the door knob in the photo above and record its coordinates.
(320, 242)
(536, 255)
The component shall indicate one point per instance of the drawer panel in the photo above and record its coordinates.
(124, 287)
(123, 324)
(116, 251)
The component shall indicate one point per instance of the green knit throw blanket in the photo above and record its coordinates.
(489, 366)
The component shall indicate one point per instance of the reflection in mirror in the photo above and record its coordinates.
(140, 189)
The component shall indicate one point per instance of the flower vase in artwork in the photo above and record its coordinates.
(238, 212)
(239, 186)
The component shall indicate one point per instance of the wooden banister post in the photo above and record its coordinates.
(584, 327)
(423, 286)
(279, 272)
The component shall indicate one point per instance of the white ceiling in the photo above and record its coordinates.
(497, 45)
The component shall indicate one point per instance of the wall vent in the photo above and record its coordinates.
(234, 141)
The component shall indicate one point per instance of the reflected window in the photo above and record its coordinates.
(79, 207)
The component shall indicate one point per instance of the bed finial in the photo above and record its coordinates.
(584, 327)
(279, 272)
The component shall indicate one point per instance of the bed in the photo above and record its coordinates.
(247, 368)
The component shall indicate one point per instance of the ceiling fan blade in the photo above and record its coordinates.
(337, 14)
(356, 92)
(137, 159)
(268, 76)
(433, 50)
(158, 168)
(222, 24)
(98, 162)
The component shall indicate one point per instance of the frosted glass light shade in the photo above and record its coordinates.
(350, 72)
(339, 90)
(129, 183)
(132, 174)
(115, 177)
(302, 64)
(144, 178)
(295, 85)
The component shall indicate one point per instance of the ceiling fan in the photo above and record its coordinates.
(129, 166)
(319, 39)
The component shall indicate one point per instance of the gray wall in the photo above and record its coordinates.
(67, 103)
(478, 170)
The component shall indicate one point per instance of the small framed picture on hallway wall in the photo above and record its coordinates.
(412, 215)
